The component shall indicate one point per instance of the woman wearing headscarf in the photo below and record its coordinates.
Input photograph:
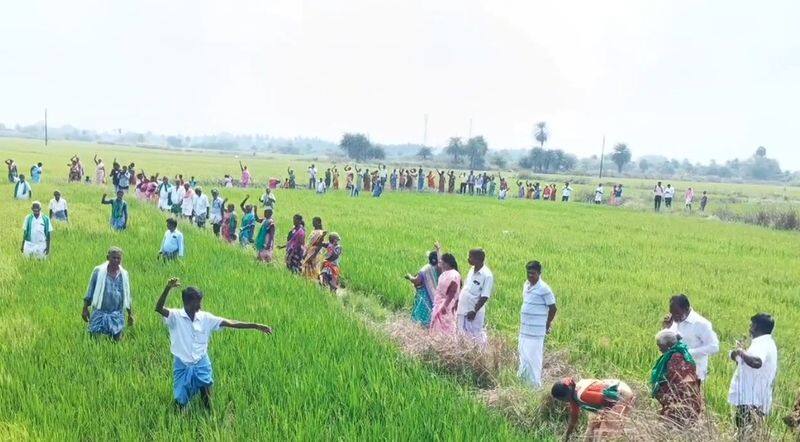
(674, 380)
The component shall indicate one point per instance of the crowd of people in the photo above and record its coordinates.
(444, 303)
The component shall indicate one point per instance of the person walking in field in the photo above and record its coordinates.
(22, 190)
(536, 318)
(265, 239)
(108, 294)
(216, 211)
(688, 199)
(598, 194)
(445, 301)
(99, 170)
(669, 194)
(296, 245)
(695, 331)
(248, 229)
(703, 202)
(425, 283)
(190, 331)
(13, 172)
(673, 381)
(312, 177)
(330, 273)
(187, 201)
(172, 246)
(754, 380)
(609, 400)
(245, 175)
(164, 192)
(229, 223)
(36, 173)
(201, 208)
(119, 211)
(566, 193)
(311, 265)
(475, 292)
(658, 193)
(36, 231)
(58, 207)
(268, 199)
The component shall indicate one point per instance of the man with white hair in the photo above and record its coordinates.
(36, 231)
(695, 331)
(109, 293)
(674, 380)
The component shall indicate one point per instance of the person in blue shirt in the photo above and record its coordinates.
(36, 173)
(172, 246)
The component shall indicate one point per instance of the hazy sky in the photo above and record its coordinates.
(696, 79)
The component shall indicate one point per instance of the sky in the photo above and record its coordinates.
(685, 79)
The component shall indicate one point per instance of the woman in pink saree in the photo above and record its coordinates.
(443, 316)
(245, 175)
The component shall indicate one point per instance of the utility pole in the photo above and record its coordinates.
(602, 154)
(45, 126)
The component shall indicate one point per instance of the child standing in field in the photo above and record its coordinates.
(172, 246)
(329, 276)
(703, 202)
(119, 211)
(189, 334)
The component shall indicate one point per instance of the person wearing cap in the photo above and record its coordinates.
(36, 229)
(58, 207)
(109, 293)
(329, 276)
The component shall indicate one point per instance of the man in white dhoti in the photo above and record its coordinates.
(536, 317)
(36, 231)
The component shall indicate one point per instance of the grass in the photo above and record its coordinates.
(612, 269)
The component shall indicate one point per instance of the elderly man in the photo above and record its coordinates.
(22, 190)
(753, 381)
(58, 207)
(36, 231)
(695, 331)
(536, 317)
(475, 292)
(109, 293)
(674, 380)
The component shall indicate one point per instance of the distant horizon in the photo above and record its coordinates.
(683, 79)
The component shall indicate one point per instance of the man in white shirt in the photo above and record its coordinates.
(312, 177)
(536, 317)
(163, 191)
(754, 379)
(58, 207)
(36, 229)
(566, 193)
(383, 174)
(172, 245)
(695, 331)
(475, 291)
(217, 207)
(598, 194)
(268, 200)
(201, 207)
(669, 193)
(187, 200)
(321, 186)
(189, 334)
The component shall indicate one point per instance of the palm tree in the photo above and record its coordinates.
(621, 156)
(456, 149)
(541, 133)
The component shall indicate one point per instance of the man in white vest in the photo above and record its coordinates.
(36, 230)
(109, 293)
